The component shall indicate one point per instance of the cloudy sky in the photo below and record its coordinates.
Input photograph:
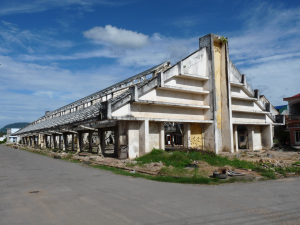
(53, 52)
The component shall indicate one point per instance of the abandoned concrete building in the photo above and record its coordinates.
(204, 95)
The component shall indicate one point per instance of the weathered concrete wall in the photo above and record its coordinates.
(187, 135)
(186, 83)
(154, 131)
(133, 140)
(166, 112)
(173, 97)
(196, 135)
(225, 99)
(209, 139)
(247, 118)
(267, 136)
(144, 137)
(195, 63)
(245, 105)
(257, 140)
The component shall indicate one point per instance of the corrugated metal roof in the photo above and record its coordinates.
(85, 113)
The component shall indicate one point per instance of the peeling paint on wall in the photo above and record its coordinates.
(196, 136)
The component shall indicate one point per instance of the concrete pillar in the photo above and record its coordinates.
(162, 136)
(54, 141)
(172, 139)
(267, 136)
(144, 137)
(33, 141)
(236, 138)
(65, 138)
(73, 144)
(116, 137)
(80, 142)
(101, 147)
(77, 144)
(38, 141)
(90, 142)
(60, 142)
(250, 137)
(187, 135)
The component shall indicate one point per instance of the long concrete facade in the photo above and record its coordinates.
(204, 91)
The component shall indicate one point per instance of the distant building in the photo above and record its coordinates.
(9, 137)
(293, 119)
(2, 138)
(281, 108)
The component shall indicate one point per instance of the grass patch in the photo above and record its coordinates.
(170, 179)
(179, 159)
(269, 174)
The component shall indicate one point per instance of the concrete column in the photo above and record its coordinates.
(101, 135)
(54, 141)
(77, 144)
(250, 137)
(267, 136)
(116, 137)
(65, 146)
(33, 141)
(172, 139)
(80, 141)
(38, 141)
(144, 137)
(187, 135)
(236, 138)
(90, 142)
(60, 142)
(73, 144)
(162, 136)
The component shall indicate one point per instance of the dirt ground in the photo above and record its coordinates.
(265, 156)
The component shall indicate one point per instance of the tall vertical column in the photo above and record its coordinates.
(34, 140)
(162, 136)
(54, 141)
(267, 136)
(116, 139)
(90, 142)
(80, 140)
(144, 137)
(78, 144)
(65, 146)
(73, 144)
(101, 147)
(250, 137)
(60, 142)
(187, 135)
(236, 138)
(38, 141)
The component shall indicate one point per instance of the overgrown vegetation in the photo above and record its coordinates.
(179, 159)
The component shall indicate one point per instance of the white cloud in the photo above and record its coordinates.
(8, 7)
(119, 37)
(267, 50)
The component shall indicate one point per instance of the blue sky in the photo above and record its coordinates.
(55, 52)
